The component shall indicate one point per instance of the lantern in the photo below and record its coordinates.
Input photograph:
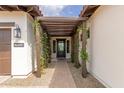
(17, 32)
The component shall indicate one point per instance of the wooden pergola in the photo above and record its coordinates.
(33, 10)
(60, 26)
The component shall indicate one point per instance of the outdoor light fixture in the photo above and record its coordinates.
(17, 32)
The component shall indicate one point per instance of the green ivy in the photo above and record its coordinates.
(45, 48)
(82, 28)
(36, 25)
(84, 55)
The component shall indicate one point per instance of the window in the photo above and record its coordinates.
(54, 46)
(61, 46)
(88, 33)
(68, 50)
(81, 36)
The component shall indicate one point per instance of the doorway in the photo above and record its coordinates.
(5, 51)
(61, 48)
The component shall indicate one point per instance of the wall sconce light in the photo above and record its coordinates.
(17, 32)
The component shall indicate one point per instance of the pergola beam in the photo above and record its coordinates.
(6, 8)
(60, 32)
(67, 34)
(31, 9)
(88, 10)
(62, 18)
(60, 25)
(61, 29)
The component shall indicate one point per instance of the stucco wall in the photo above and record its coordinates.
(31, 57)
(107, 46)
(53, 55)
(20, 56)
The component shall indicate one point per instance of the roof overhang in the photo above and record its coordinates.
(88, 10)
(60, 26)
(33, 10)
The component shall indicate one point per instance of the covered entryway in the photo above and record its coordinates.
(5, 51)
(60, 31)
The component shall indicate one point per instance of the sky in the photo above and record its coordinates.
(61, 10)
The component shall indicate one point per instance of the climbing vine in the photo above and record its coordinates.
(76, 49)
(42, 47)
(84, 55)
(37, 32)
(45, 49)
(83, 52)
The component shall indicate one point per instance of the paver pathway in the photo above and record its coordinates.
(62, 76)
(59, 74)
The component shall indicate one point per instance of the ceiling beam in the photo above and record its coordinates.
(63, 35)
(61, 18)
(61, 29)
(88, 8)
(60, 34)
(6, 8)
(83, 10)
(31, 9)
(59, 23)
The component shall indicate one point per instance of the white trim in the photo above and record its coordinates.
(23, 77)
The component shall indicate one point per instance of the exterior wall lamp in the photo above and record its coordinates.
(17, 32)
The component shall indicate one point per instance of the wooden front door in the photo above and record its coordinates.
(5, 51)
(61, 48)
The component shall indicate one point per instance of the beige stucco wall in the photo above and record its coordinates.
(107, 46)
(20, 56)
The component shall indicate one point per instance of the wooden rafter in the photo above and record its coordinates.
(60, 29)
(88, 10)
(60, 32)
(65, 19)
(33, 10)
(6, 8)
(60, 25)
